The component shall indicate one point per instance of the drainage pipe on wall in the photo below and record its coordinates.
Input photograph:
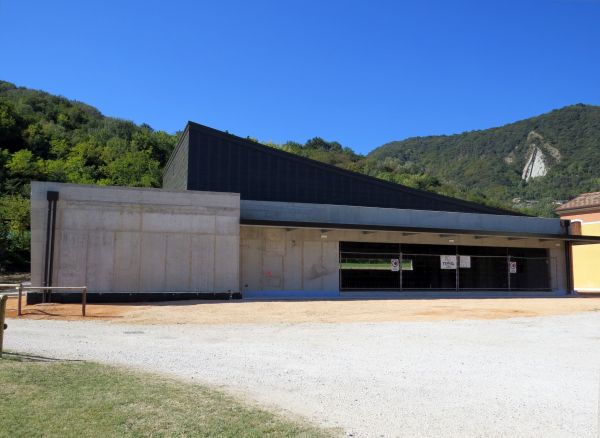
(52, 198)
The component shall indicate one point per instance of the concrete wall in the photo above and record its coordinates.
(300, 259)
(116, 239)
(392, 217)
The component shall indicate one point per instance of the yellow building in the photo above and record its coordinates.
(584, 214)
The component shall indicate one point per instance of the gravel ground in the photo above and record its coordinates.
(514, 377)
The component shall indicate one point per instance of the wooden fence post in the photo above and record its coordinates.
(3, 299)
(83, 300)
(19, 309)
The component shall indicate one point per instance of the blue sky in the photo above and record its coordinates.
(359, 72)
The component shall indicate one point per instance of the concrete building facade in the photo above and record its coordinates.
(298, 248)
(238, 219)
(125, 241)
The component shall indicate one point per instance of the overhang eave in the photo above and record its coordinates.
(575, 240)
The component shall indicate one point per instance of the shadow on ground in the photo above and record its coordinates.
(24, 357)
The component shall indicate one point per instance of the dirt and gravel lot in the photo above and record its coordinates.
(420, 373)
(294, 312)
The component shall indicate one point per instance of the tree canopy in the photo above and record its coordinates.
(47, 137)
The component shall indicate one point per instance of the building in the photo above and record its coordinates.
(236, 218)
(584, 214)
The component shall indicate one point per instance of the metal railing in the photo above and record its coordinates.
(19, 288)
(14, 286)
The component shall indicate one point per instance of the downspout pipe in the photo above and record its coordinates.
(52, 198)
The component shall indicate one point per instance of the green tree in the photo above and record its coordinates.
(14, 233)
(133, 168)
(10, 127)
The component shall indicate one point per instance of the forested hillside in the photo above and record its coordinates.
(529, 164)
(45, 137)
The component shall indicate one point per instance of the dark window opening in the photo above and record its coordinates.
(394, 266)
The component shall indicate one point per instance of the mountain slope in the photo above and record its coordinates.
(44, 137)
(550, 157)
(49, 137)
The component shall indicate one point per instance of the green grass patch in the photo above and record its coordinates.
(376, 265)
(73, 399)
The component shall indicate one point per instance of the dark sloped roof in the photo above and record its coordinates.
(583, 201)
(218, 161)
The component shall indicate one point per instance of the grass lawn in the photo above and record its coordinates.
(73, 399)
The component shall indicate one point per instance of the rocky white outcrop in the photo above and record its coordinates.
(539, 156)
(535, 165)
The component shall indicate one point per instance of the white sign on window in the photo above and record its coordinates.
(448, 262)
(465, 261)
(512, 267)
(395, 265)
